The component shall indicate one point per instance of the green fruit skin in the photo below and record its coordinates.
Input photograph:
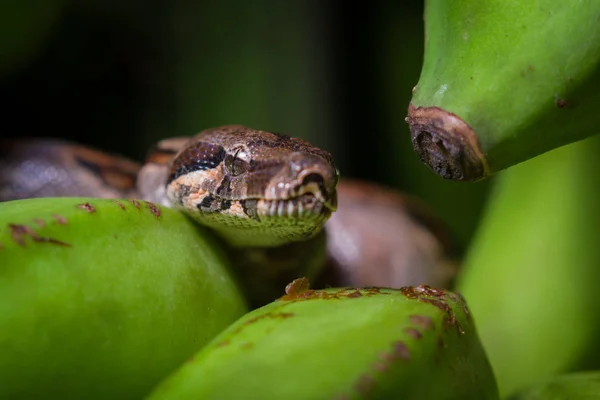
(342, 344)
(575, 386)
(531, 275)
(134, 293)
(399, 68)
(523, 75)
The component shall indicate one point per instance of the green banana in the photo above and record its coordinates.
(102, 298)
(531, 274)
(504, 81)
(414, 342)
(576, 386)
(399, 67)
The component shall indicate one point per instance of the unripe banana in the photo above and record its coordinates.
(531, 276)
(504, 81)
(100, 299)
(575, 386)
(409, 343)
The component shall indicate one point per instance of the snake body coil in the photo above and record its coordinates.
(266, 195)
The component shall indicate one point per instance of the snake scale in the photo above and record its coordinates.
(267, 196)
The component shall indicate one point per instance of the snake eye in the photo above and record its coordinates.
(236, 163)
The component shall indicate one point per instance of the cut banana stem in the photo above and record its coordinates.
(503, 82)
(531, 276)
(409, 343)
(100, 299)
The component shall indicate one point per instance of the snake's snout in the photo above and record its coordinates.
(313, 184)
(315, 176)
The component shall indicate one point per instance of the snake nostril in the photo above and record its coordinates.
(313, 178)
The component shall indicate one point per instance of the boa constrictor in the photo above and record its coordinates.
(266, 195)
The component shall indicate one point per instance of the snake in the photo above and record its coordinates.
(271, 199)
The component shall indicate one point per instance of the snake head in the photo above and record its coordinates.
(256, 188)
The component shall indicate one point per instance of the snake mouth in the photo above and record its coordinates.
(306, 205)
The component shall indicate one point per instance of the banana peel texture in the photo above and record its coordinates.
(575, 386)
(503, 82)
(103, 298)
(413, 342)
(531, 275)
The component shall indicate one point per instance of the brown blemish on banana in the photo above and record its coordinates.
(422, 321)
(355, 294)
(440, 343)
(87, 207)
(399, 351)
(20, 232)
(366, 382)
(153, 209)
(1, 246)
(40, 222)
(562, 103)
(458, 297)
(121, 206)
(135, 203)
(299, 289)
(413, 332)
(60, 219)
(416, 292)
(269, 315)
(381, 366)
(437, 298)
(447, 144)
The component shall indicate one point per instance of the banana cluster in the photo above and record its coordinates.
(125, 299)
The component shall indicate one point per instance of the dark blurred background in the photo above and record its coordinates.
(121, 75)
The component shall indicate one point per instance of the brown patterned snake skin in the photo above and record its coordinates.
(266, 195)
